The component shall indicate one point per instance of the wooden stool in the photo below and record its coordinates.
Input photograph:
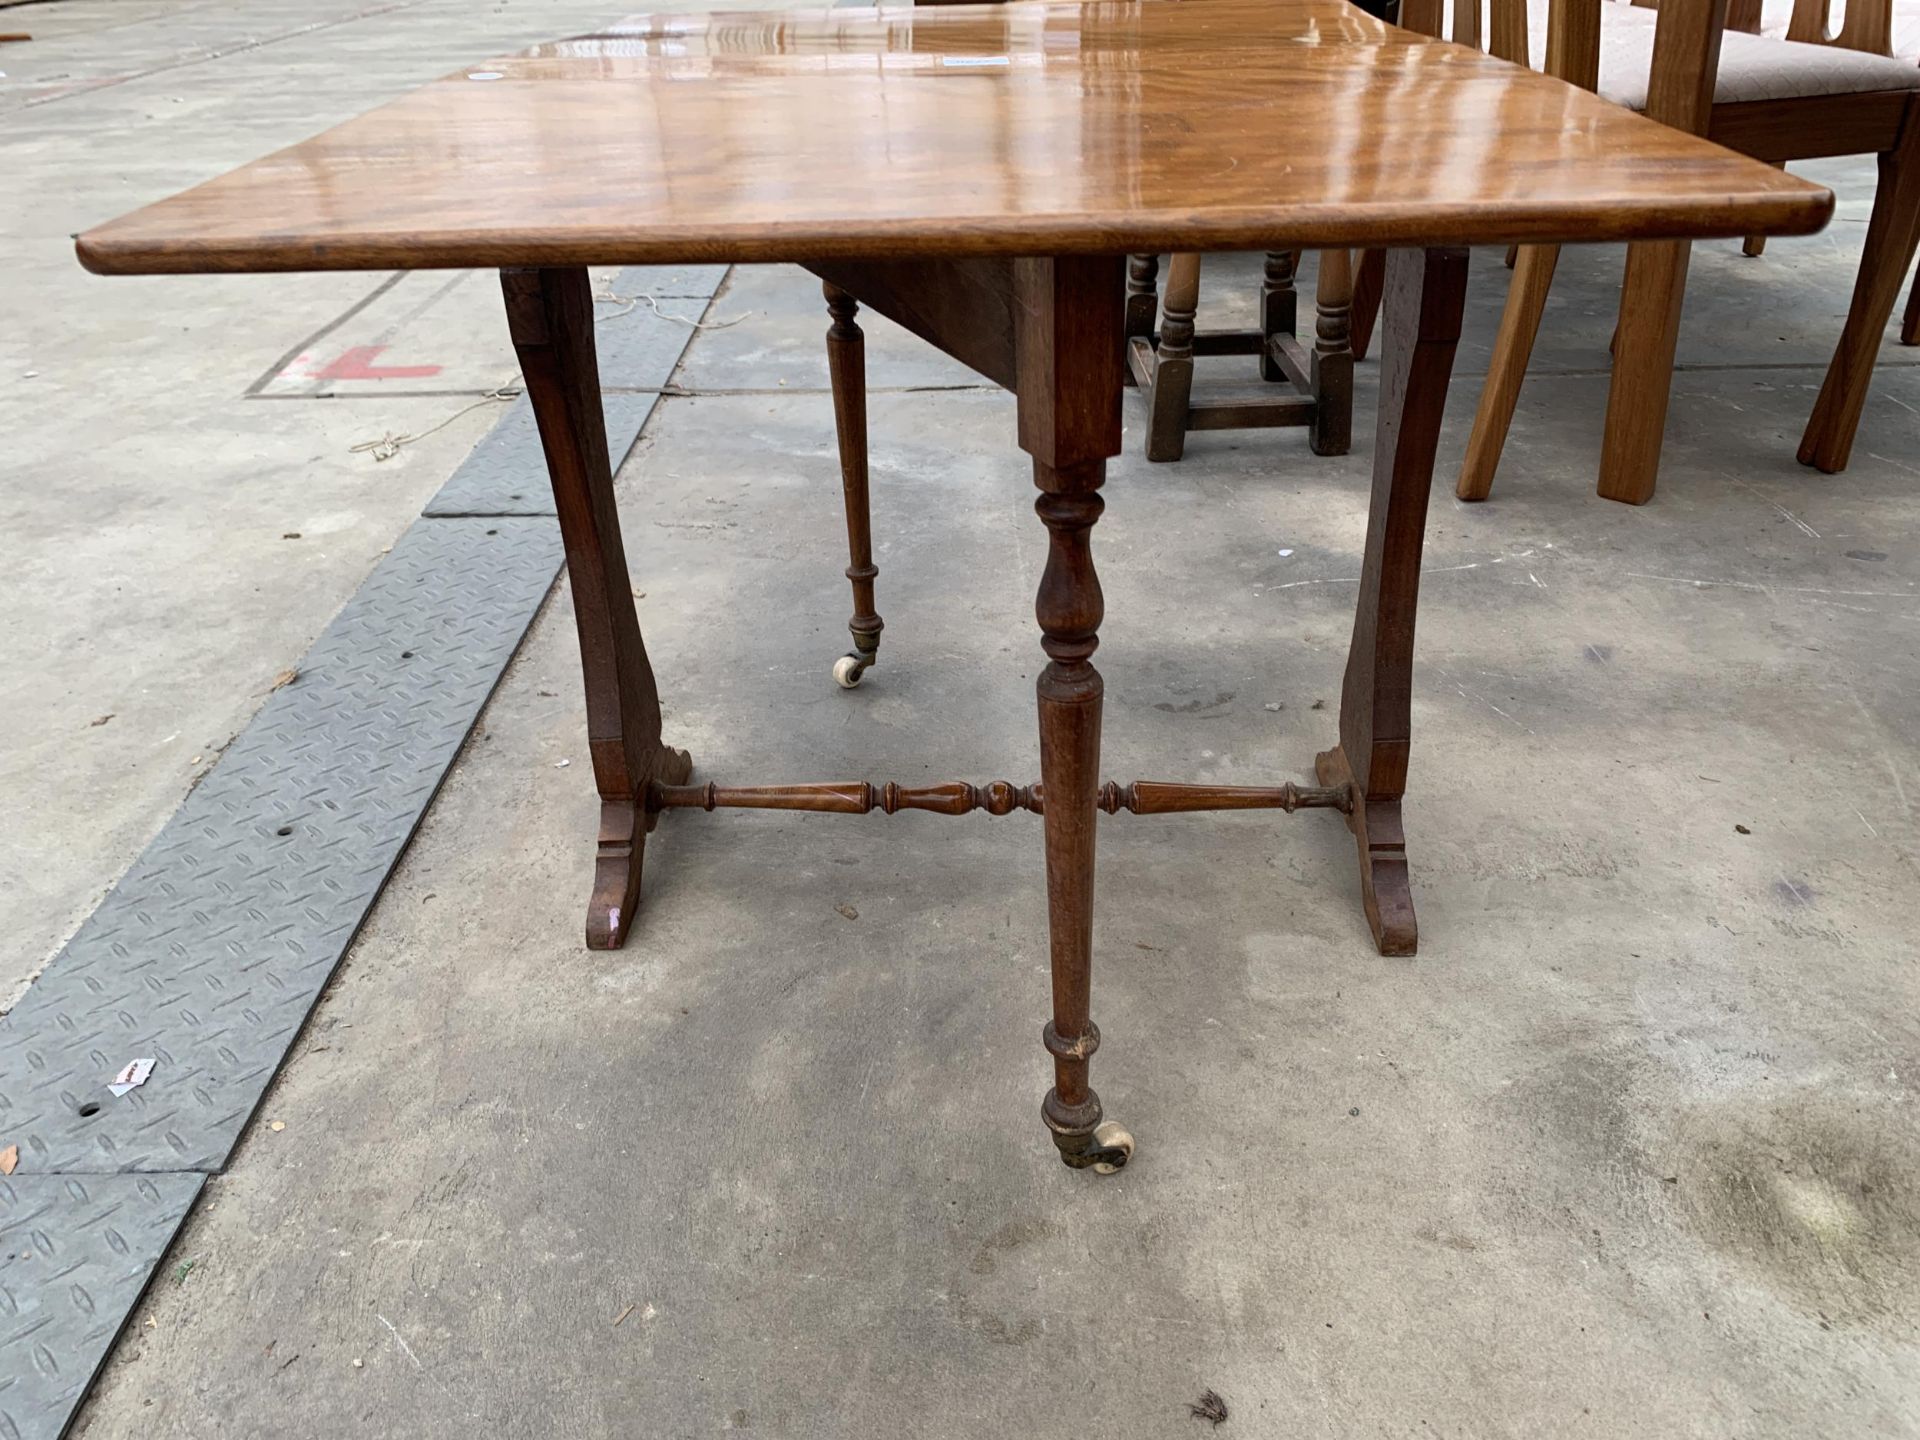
(1319, 385)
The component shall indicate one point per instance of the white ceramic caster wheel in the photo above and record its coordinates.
(847, 671)
(1115, 1144)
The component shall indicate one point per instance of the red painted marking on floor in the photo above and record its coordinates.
(357, 364)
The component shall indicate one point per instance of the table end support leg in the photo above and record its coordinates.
(1424, 295)
(1071, 318)
(550, 315)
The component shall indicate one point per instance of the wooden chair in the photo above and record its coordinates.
(1345, 305)
(1874, 29)
(1776, 100)
(1506, 39)
(1161, 363)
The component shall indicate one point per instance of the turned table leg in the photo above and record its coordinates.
(847, 365)
(550, 314)
(1071, 318)
(1421, 324)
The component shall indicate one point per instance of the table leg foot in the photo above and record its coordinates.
(1085, 1141)
(1386, 887)
(624, 826)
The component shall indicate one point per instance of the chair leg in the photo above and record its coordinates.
(1369, 279)
(1910, 323)
(1892, 233)
(1173, 366)
(1279, 308)
(1512, 348)
(1332, 368)
(1143, 296)
(847, 367)
(1650, 296)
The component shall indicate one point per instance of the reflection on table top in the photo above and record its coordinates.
(1125, 125)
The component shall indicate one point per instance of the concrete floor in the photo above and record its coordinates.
(1629, 1149)
(184, 510)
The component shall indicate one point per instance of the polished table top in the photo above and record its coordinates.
(1021, 129)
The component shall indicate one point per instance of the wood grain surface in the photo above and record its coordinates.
(1021, 129)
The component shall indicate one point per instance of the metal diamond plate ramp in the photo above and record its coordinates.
(639, 349)
(507, 472)
(638, 345)
(76, 1252)
(212, 950)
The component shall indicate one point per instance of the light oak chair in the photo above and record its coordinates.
(1774, 99)
(1871, 28)
(1501, 32)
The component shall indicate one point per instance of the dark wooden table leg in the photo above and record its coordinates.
(1421, 324)
(847, 365)
(1071, 317)
(550, 313)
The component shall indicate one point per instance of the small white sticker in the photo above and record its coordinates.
(134, 1074)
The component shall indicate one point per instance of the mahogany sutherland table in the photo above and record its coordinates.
(980, 174)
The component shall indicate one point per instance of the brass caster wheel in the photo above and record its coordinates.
(1112, 1147)
(848, 669)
